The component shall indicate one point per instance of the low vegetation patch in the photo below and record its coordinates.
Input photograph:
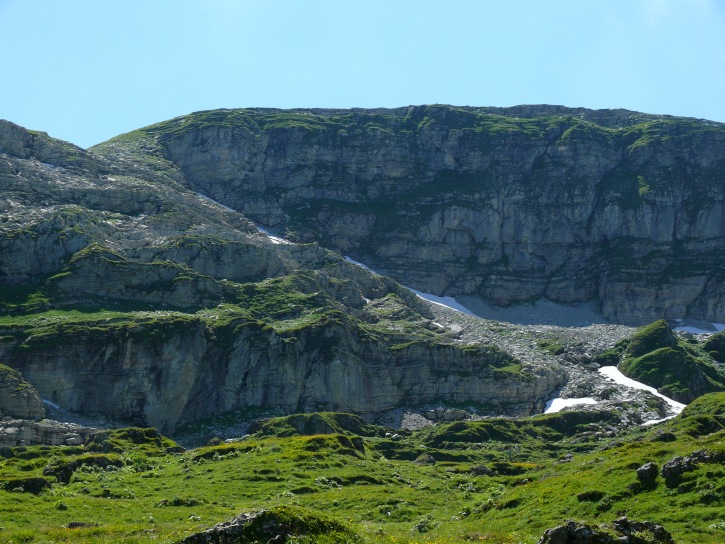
(499, 481)
(655, 356)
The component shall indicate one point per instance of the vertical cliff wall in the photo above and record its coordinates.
(513, 205)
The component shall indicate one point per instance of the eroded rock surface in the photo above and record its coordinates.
(18, 399)
(622, 531)
(517, 204)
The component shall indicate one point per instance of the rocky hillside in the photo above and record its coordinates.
(328, 478)
(510, 204)
(125, 294)
(134, 285)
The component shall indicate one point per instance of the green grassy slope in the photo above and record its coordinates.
(494, 481)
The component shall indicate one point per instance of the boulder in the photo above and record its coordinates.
(574, 532)
(642, 532)
(277, 525)
(18, 399)
(621, 531)
(647, 474)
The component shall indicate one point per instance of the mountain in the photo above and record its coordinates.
(128, 295)
(135, 282)
(513, 205)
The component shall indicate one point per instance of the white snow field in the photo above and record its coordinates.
(558, 404)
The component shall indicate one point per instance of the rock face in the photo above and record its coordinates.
(18, 399)
(126, 292)
(182, 373)
(23, 432)
(518, 204)
(127, 295)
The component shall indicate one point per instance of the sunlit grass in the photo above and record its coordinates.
(153, 496)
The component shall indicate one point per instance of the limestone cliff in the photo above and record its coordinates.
(177, 373)
(126, 294)
(511, 204)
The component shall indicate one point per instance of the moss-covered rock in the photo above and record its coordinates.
(715, 347)
(705, 415)
(656, 357)
(148, 441)
(315, 423)
(515, 431)
(25, 485)
(18, 398)
(280, 524)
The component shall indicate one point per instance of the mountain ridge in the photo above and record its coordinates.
(458, 202)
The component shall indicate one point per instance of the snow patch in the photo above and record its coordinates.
(272, 238)
(541, 312)
(656, 421)
(357, 263)
(613, 373)
(558, 404)
(716, 327)
(448, 302)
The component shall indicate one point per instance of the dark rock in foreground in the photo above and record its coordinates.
(624, 531)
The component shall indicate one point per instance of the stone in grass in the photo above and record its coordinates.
(481, 470)
(425, 459)
(80, 525)
(278, 525)
(641, 532)
(647, 475)
(622, 531)
(573, 532)
(26, 485)
(673, 470)
(590, 496)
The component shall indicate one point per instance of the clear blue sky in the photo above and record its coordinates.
(87, 70)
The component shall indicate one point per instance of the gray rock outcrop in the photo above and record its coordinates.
(18, 399)
(23, 432)
(673, 469)
(622, 531)
(182, 373)
(277, 525)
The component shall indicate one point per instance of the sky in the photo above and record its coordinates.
(87, 70)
